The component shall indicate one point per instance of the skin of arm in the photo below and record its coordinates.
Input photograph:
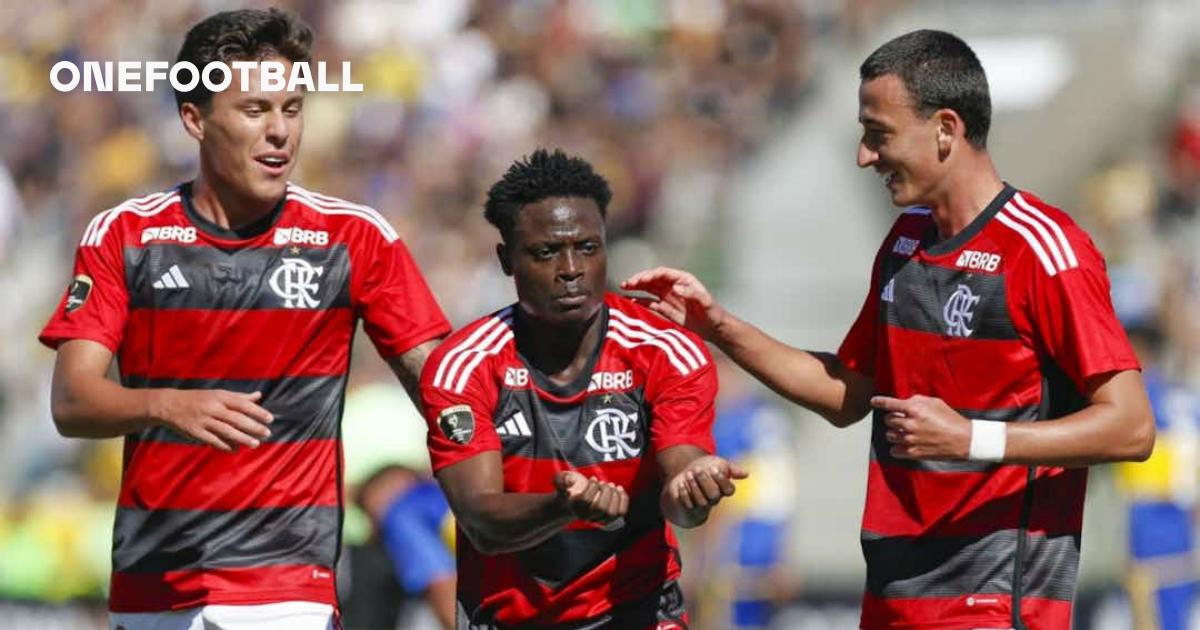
(86, 404)
(501, 522)
(816, 381)
(1116, 425)
(407, 368)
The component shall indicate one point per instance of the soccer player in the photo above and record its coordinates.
(231, 302)
(988, 335)
(569, 427)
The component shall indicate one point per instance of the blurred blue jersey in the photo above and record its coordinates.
(413, 531)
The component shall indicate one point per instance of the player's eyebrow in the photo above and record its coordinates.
(867, 120)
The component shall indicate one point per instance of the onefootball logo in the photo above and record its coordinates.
(140, 76)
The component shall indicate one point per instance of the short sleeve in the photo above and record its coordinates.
(399, 311)
(1071, 317)
(459, 422)
(858, 349)
(682, 406)
(95, 305)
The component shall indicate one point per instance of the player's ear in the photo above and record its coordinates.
(949, 128)
(502, 254)
(193, 120)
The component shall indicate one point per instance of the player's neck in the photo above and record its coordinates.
(560, 353)
(223, 208)
(965, 193)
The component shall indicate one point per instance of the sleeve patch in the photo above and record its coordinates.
(78, 292)
(457, 423)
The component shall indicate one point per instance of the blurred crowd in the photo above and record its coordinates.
(665, 98)
(1144, 209)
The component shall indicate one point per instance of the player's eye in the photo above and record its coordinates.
(589, 247)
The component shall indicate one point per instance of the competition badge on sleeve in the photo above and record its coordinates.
(457, 423)
(78, 292)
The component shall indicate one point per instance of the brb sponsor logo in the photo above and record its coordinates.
(300, 236)
(611, 380)
(959, 311)
(614, 434)
(516, 377)
(297, 282)
(985, 261)
(169, 233)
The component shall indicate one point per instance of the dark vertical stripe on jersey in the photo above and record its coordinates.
(167, 475)
(881, 448)
(304, 407)
(921, 293)
(907, 567)
(237, 279)
(302, 342)
(156, 541)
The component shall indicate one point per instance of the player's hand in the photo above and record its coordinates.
(922, 427)
(703, 483)
(681, 298)
(591, 499)
(220, 418)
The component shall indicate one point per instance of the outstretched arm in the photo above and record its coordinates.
(816, 381)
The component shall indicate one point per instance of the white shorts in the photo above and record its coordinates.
(280, 616)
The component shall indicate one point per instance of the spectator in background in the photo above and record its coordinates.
(1162, 494)
(410, 517)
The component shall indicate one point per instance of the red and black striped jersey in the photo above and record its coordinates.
(649, 386)
(1005, 321)
(183, 303)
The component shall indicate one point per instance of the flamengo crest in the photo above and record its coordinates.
(614, 434)
(296, 282)
(959, 310)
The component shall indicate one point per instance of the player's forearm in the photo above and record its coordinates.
(1095, 435)
(1117, 426)
(89, 406)
(503, 523)
(816, 381)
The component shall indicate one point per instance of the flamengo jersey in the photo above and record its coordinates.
(650, 386)
(185, 304)
(1005, 321)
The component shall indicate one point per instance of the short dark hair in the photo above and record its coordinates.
(539, 176)
(243, 35)
(940, 71)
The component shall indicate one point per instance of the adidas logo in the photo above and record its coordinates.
(172, 279)
(515, 425)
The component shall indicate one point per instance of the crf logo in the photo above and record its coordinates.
(959, 310)
(296, 282)
(614, 434)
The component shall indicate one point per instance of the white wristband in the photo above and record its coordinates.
(988, 440)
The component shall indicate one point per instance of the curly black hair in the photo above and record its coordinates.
(243, 35)
(539, 176)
